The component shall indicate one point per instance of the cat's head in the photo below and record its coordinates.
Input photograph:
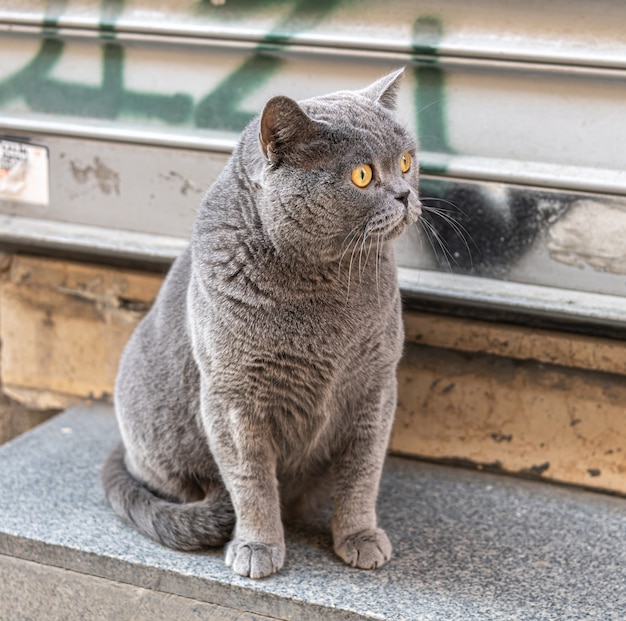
(338, 171)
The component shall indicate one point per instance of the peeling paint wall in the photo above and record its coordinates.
(63, 328)
(522, 417)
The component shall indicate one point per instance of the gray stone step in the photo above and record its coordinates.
(467, 546)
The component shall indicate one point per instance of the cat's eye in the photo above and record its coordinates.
(405, 162)
(362, 175)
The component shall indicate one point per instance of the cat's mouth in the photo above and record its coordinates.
(395, 229)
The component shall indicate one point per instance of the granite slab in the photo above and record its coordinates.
(467, 545)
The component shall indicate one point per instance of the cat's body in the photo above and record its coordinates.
(266, 366)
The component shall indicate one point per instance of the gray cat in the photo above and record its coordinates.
(263, 377)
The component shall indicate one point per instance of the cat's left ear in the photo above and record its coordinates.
(285, 131)
(385, 90)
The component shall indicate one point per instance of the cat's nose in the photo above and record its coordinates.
(403, 198)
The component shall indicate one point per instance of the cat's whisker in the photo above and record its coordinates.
(446, 215)
(429, 105)
(350, 266)
(361, 267)
(351, 234)
(430, 229)
(365, 237)
(443, 200)
(355, 233)
(369, 250)
(432, 234)
(459, 229)
(461, 232)
(420, 239)
(378, 266)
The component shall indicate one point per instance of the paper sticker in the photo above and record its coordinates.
(24, 173)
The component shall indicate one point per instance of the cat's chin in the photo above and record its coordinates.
(395, 230)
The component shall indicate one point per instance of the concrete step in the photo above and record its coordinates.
(467, 546)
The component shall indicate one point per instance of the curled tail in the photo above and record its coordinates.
(183, 526)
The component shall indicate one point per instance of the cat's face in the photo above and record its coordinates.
(340, 172)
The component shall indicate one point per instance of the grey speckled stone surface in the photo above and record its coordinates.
(467, 545)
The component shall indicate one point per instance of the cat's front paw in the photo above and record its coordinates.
(367, 549)
(256, 560)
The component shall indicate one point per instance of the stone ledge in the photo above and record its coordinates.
(468, 546)
(53, 593)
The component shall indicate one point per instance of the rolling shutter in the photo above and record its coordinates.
(115, 118)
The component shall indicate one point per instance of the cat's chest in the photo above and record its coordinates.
(300, 367)
(307, 344)
(322, 332)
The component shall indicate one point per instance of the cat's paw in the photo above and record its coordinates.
(368, 549)
(256, 560)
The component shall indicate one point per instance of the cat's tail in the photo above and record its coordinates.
(183, 526)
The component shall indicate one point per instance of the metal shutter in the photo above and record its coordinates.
(520, 109)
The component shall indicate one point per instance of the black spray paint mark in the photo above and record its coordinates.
(538, 470)
(500, 437)
(494, 225)
(473, 228)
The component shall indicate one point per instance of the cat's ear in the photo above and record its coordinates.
(385, 90)
(285, 130)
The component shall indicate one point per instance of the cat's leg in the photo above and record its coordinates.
(356, 536)
(258, 546)
(247, 463)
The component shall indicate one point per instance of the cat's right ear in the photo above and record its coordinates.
(285, 130)
(384, 91)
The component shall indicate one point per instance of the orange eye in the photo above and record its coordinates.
(362, 175)
(405, 162)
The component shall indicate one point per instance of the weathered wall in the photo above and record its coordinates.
(524, 417)
(518, 399)
(63, 327)
(528, 401)
(15, 417)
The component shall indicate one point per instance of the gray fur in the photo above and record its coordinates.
(265, 371)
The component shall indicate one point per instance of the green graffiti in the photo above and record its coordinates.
(54, 10)
(303, 15)
(221, 108)
(426, 35)
(109, 100)
(430, 106)
(430, 92)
